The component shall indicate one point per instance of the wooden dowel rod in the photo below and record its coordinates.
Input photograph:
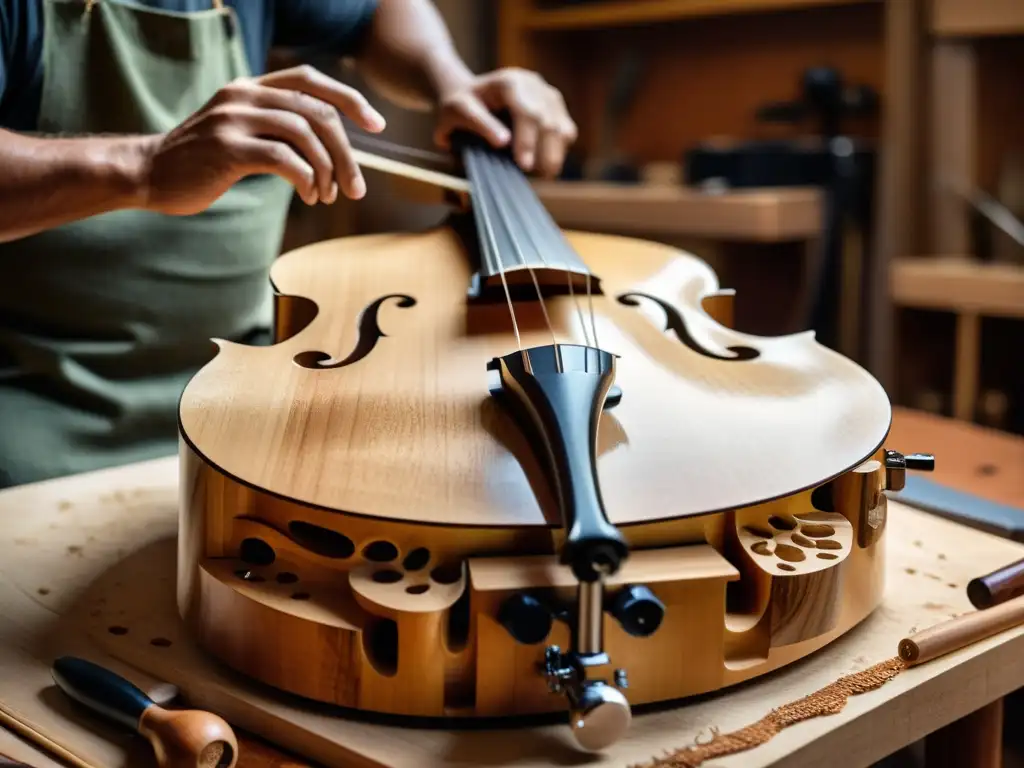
(957, 633)
(997, 587)
(29, 733)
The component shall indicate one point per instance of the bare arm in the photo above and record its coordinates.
(47, 182)
(411, 59)
(285, 123)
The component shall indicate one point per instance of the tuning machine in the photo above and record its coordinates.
(638, 610)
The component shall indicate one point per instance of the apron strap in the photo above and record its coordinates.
(89, 4)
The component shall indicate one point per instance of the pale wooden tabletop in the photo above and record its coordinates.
(60, 535)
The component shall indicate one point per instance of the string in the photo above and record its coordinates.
(483, 218)
(545, 221)
(510, 230)
(521, 192)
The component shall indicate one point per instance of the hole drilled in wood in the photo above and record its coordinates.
(803, 541)
(116, 630)
(785, 523)
(417, 559)
(256, 552)
(247, 575)
(828, 544)
(286, 577)
(387, 576)
(757, 530)
(458, 623)
(760, 548)
(822, 499)
(216, 755)
(790, 553)
(827, 556)
(447, 574)
(160, 642)
(380, 643)
(786, 567)
(380, 551)
(817, 530)
(417, 589)
(321, 541)
(300, 596)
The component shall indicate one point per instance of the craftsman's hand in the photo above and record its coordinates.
(284, 123)
(542, 130)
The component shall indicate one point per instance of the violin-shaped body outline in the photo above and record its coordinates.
(408, 432)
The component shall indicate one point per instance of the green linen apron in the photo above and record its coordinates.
(104, 320)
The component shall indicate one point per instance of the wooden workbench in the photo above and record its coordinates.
(59, 536)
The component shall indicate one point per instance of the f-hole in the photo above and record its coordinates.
(674, 322)
(369, 334)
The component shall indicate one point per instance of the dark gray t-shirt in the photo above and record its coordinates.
(314, 27)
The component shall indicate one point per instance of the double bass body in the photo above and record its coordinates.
(401, 507)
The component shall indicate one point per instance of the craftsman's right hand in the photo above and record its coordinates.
(284, 123)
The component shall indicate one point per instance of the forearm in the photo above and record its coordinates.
(410, 57)
(46, 182)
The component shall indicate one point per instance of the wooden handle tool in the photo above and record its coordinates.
(960, 632)
(180, 739)
(997, 587)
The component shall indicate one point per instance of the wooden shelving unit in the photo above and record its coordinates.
(708, 67)
(977, 18)
(606, 13)
(965, 311)
(765, 216)
(959, 284)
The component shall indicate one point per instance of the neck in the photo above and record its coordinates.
(521, 247)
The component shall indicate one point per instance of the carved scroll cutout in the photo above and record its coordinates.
(674, 322)
(369, 334)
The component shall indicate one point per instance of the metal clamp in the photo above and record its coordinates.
(599, 713)
(896, 466)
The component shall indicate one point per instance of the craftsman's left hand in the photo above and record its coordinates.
(542, 130)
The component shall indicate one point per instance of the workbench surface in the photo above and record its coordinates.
(61, 535)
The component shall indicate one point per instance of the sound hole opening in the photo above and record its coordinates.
(447, 574)
(380, 643)
(387, 576)
(417, 559)
(256, 552)
(321, 541)
(458, 623)
(821, 498)
(380, 551)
